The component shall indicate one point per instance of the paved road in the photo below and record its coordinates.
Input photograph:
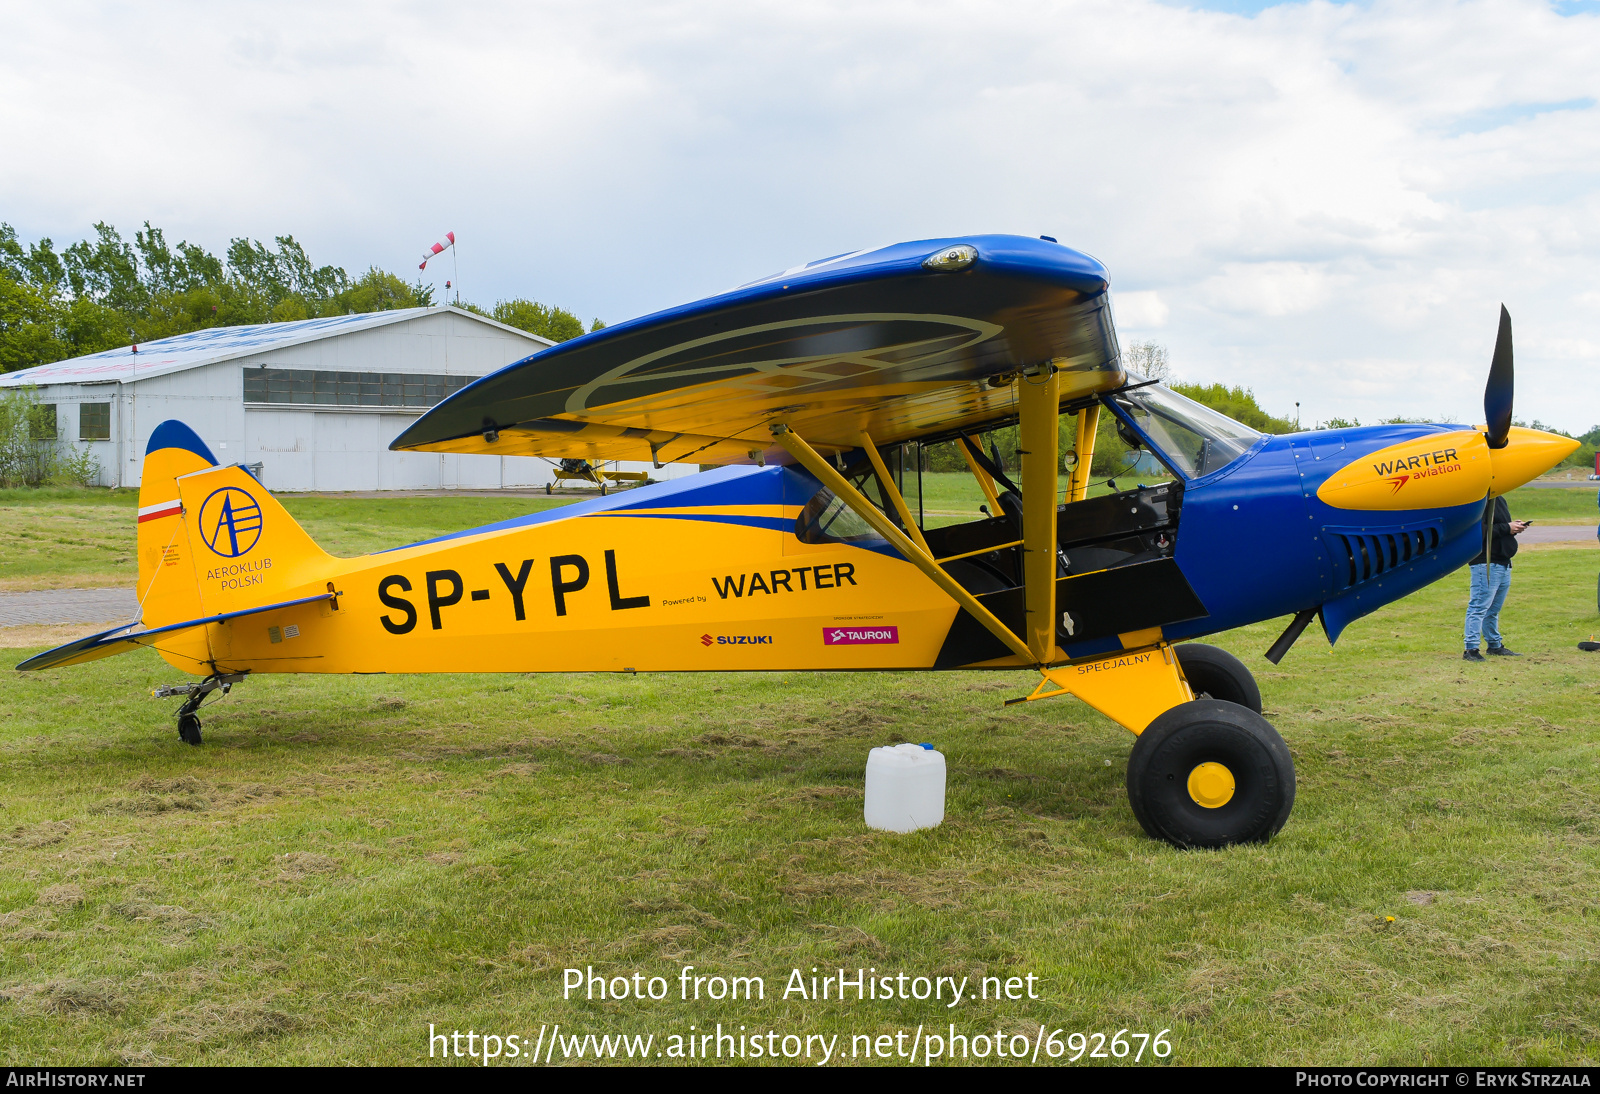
(1558, 533)
(67, 606)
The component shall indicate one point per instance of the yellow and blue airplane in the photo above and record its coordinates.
(810, 393)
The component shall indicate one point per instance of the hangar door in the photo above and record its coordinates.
(336, 451)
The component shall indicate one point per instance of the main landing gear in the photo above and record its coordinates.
(1209, 773)
(188, 719)
(1212, 771)
(1207, 769)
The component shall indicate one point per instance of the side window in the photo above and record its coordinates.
(94, 421)
(827, 519)
(42, 423)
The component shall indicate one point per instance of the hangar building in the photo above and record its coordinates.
(307, 405)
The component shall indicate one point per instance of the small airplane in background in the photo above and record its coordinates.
(814, 390)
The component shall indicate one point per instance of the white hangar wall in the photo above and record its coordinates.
(318, 444)
(341, 447)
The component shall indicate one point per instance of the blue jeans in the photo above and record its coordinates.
(1489, 587)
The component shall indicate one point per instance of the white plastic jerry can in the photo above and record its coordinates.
(905, 788)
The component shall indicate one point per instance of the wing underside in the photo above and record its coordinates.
(880, 343)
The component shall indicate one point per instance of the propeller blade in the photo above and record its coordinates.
(1497, 395)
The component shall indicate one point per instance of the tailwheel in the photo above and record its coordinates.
(189, 728)
(1210, 773)
(1217, 674)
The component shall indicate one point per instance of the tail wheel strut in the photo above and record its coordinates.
(188, 719)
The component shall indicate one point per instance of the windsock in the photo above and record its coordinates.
(438, 249)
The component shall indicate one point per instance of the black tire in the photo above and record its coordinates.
(602, 490)
(1218, 674)
(549, 488)
(189, 729)
(1210, 731)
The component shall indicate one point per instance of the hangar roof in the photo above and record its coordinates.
(214, 344)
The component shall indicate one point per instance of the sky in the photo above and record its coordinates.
(1325, 202)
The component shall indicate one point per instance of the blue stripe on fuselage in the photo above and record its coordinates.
(738, 485)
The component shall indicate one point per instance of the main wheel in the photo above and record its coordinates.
(549, 488)
(1209, 773)
(1218, 674)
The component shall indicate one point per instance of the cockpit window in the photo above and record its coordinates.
(1195, 439)
(827, 519)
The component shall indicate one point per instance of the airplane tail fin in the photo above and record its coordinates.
(211, 538)
(213, 546)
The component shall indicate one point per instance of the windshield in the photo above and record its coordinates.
(1195, 439)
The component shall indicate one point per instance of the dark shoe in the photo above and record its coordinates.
(1472, 655)
(1502, 651)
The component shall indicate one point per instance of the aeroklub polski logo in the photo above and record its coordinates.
(230, 522)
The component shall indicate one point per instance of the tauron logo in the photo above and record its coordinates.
(230, 522)
(861, 636)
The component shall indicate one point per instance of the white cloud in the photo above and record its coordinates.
(1139, 311)
(1326, 202)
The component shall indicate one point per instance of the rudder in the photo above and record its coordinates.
(212, 538)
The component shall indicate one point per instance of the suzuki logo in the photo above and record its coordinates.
(230, 522)
(706, 640)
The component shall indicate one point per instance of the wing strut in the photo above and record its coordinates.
(1088, 423)
(825, 473)
(893, 493)
(985, 483)
(1039, 432)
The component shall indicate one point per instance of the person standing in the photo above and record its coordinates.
(1491, 580)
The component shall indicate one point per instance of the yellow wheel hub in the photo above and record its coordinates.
(1211, 785)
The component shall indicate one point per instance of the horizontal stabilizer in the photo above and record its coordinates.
(128, 637)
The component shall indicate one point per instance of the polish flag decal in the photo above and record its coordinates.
(164, 509)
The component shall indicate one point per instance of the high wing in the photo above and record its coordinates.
(904, 342)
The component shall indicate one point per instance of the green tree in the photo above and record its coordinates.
(556, 324)
(1238, 403)
(380, 290)
(104, 292)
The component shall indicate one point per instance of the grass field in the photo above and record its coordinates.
(347, 860)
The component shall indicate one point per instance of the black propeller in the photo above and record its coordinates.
(1497, 394)
(1497, 412)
